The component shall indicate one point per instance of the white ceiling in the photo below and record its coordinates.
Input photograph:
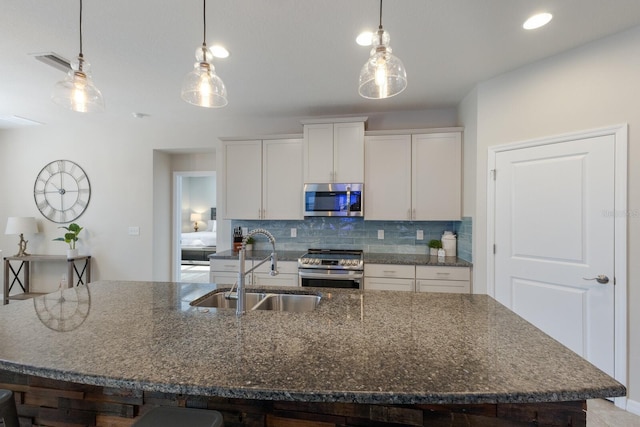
(288, 57)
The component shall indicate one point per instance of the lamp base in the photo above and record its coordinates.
(195, 227)
(23, 246)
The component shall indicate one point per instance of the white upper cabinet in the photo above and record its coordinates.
(413, 177)
(263, 179)
(242, 179)
(436, 176)
(282, 179)
(387, 180)
(334, 152)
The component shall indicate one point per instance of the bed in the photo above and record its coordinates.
(196, 246)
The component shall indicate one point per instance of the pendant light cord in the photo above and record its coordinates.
(204, 22)
(380, 27)
(80, 29)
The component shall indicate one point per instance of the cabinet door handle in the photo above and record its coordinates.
(439, 273)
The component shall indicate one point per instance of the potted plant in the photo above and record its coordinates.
(71, 237)
(249, 245)
(434, 245)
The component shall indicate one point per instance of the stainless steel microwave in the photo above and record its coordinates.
(334, 200)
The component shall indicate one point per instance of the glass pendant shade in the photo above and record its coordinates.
(383, 75)
(202, 86)
(77, 92)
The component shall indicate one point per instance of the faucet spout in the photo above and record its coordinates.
(242, 272)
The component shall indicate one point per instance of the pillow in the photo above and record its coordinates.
(211, 225)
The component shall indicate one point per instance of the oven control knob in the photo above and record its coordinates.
(305, 260)
(341, 262)
(316, 261)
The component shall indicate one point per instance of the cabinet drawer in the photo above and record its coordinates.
(224, 265)
(442, 273)
(223, 278)
(448, 286)
(281, 280)
(284, 267)
(390, 270)
(384, 284)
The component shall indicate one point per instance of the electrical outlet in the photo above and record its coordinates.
(380, 234)
(420, 235)
(245, 231)
(134, 231)
(294, 232)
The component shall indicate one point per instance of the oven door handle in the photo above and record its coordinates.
(339, 276)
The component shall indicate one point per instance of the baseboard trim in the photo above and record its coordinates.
(633, 407)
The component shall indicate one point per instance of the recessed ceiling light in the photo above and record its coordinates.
(537, 21)
(219, 51)
(364, 38)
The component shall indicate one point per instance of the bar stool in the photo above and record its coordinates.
(170, 416)
(8, 412)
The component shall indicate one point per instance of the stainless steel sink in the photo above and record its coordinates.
(287, 302)
(298, 303)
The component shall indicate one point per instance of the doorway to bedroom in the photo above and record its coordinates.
(195, 227)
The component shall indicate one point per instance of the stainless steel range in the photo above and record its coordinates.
(331, 268)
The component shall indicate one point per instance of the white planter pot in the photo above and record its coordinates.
(433, 251)
(72, 253)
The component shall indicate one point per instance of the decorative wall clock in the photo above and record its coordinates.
(62, 191)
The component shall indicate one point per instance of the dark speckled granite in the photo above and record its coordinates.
(358, 346)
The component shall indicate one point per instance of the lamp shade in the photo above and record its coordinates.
(203, 87)
(196, 217)
(77, 91)
(21, 225)
(383, 75)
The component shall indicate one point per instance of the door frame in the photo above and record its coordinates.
(620, 214)
(176, 252)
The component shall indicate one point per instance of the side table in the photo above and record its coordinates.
(77, 274)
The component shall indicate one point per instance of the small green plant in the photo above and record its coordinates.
(435, 244)
(71, 237)
(251, 240)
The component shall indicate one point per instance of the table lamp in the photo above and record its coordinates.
(21, 225)
(195, 217)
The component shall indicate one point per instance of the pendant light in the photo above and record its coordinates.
(383, 75)
(77, 91)
(202, 86)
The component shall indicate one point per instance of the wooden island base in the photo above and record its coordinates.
(48, 402)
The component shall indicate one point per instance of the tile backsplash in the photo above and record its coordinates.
(356, 233)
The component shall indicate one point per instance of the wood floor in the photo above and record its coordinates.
(602, 413)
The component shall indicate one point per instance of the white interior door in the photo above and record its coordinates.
(554, 228)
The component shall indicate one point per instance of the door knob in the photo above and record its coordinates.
(601, 278)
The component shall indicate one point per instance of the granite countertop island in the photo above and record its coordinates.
(366, 347)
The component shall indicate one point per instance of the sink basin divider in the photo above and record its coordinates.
(262, 301)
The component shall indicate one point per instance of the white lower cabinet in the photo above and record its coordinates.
(389, 277)
(443, 279)
(225, 272)
(287, 274)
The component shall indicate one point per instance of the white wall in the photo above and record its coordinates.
(590, 87)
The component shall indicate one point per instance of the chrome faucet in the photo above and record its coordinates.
(241, 290)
